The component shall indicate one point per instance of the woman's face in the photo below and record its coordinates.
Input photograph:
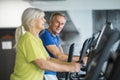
(40, 23)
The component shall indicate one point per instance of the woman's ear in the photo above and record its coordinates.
(32, 22)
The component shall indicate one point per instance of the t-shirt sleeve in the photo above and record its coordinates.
(47, 39)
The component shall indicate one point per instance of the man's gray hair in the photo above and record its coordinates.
(57, 14)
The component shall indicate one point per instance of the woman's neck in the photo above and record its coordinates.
(35, 32)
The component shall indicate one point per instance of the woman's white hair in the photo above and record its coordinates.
(28, 16)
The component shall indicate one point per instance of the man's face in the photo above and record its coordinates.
(57, 24)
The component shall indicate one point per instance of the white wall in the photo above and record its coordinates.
(82, 19)
(10, 13)
(11, 10)
(83, 22)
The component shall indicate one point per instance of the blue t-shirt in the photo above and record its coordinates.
(48, 39)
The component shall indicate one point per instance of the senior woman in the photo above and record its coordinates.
(31, 56)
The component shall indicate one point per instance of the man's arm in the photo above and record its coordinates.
(61, 49)
(57, 52)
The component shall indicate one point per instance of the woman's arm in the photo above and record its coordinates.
(57, 65)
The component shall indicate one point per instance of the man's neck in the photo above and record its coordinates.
(52, 32)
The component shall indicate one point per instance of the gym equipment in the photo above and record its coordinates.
(71, 50)
(101, 52)
(113, 67)
(98, 51)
